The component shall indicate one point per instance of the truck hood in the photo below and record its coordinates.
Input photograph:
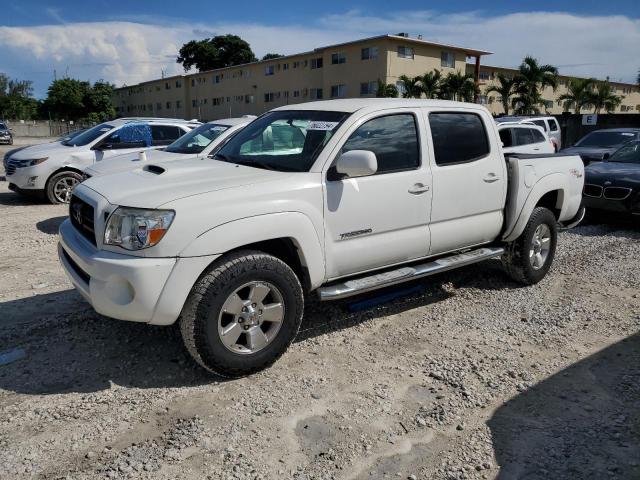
(42, 150)
(131, 161)
(154, 185)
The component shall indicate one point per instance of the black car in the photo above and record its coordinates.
(614, 184)
(6, 136)
(595, 146)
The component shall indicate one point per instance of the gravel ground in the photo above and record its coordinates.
(467, 377)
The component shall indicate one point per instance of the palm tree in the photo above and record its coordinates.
(506, 90)
(603, 97)
(430, 82)
(412, 87)
(458, 86)
(531, 78)
(386, 90)
(579, 93)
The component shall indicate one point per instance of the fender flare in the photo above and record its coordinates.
(549, 183)
(295, 226)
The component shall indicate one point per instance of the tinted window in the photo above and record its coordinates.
(458, 137)
(605, 139)
(505, 137)
(198, 139)
(90, 135)
(541, 123)
(553, 125)
(538, 137)
(130, 135)
(524, 136)
(165, 134)
(630, 153)
(394, 140)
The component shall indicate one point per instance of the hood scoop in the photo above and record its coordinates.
(153, 169)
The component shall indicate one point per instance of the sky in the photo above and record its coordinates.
(127, 42)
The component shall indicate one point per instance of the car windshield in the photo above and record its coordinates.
(286, 140)
(628, 154)
(605, 139)
(3, 126)
(198, 139)
(88, 136)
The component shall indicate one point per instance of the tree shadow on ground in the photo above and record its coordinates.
(17, 200)
(51, 225)
(583, 422)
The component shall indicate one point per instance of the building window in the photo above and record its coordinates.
(315, 93)
(269, 97)
(369, 88)
(194, 103)
(296, 64)
(548, 104)
(217, 101)
(150, 105)
(484, 75)
(269, 70)
(167, 86)
(369, 53)
(168, 105)
(178, 83)
(158, 106)
(338, 91)
(216, 79)
(316, 62)
(249, 99)
(193, 82)
(482, 99)
(405, 52)
(285, 66)
(296, 93)
(338, 58)
(178, 104)
(401, 88)
(447, 59)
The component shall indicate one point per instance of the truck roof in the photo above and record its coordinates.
(351, 105)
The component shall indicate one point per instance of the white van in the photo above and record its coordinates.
(56, 168)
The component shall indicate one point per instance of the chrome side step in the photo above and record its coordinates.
(404, 274)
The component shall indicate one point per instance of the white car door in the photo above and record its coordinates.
(469, 180)
(381, 219)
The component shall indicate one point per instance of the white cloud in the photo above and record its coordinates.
(133, 51)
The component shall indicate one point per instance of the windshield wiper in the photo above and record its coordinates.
(253, 163)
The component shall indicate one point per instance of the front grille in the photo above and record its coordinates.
(82, 218)
(591, 190)
(616, 193)
(76, 268)
(11, 169)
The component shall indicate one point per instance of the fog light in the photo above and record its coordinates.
(32, 181)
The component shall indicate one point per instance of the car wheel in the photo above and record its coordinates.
(242, 314)
(528, 259)
(60, 186)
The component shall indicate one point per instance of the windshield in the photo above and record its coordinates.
(88, 136)
(287, 140)
(605, 139)
(198, 139)
(3, 126)
(630, 153)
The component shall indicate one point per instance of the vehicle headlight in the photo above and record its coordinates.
(28, 162)
(36, 161)
(136, 228)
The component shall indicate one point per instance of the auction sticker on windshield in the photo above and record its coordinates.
(318, 125)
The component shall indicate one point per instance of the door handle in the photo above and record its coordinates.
(418, 188)
(491, 177)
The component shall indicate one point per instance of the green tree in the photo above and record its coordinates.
(270, 56)
(602, 97)
(412, 86)
(505, 88)
(579, 93)
(430, 83)
(531, 79)
(217, 52)
(458, 86)
(98, 102)
(386, 90)
(16, 100)
(65, 99)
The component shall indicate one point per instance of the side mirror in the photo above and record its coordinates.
(606, 156)
(357, 163)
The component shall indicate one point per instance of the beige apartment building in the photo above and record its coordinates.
(345, 70)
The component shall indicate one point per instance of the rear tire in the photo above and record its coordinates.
(60, 186)
(242, 314)
(528, 258)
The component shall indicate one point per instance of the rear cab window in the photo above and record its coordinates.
(165, 134)
(458, 137)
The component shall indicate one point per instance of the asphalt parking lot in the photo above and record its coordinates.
(469, 376)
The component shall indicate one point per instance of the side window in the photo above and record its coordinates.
(541, 123)
(538, 137)
(394, 140)
(553, 125)
(505, 137)
(130, 135)
(458, 137)
(524, 136)
(165, 134)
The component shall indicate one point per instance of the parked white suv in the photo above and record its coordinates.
(338, 197)
(524, 137)
(56, 168)
(549, 124)
(198, 143)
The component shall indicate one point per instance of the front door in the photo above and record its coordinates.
(382, 219)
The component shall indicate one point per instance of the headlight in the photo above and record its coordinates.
(29, 163)
(136, 228)
(37, 161)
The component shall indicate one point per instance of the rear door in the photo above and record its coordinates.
(469, 179)
(381, 219)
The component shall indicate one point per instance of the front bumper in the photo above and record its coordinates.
(126, 287)
(629, 205)
(27, 178)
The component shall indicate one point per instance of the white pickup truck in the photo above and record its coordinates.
(338, 198)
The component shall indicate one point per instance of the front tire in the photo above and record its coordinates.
(528, 258)
(242, 314)
(60, 186)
